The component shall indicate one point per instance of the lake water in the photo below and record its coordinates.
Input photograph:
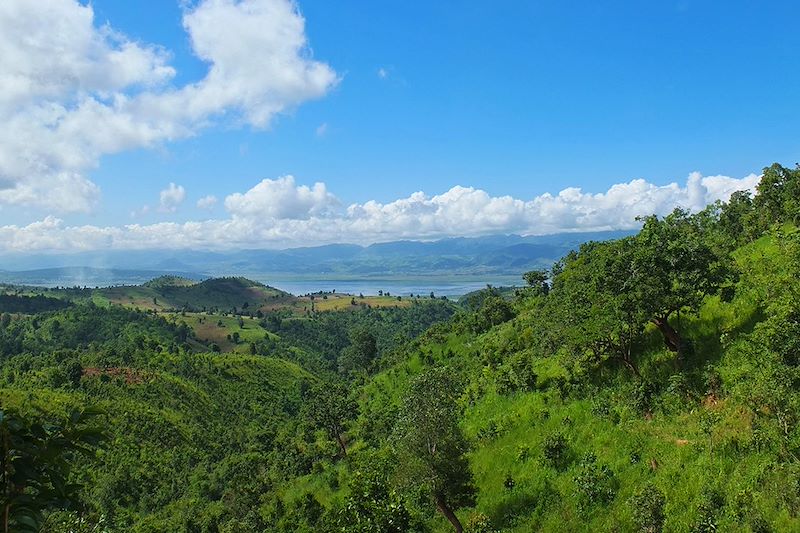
(441, 287)
(450, 286)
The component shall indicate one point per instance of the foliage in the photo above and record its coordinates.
(648, 509)
(35, 465)
(559, 406)
(328, 406)
(372, 505)
(431, 446)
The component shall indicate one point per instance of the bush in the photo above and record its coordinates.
(523, 453)
(555, 449)
(711, 501)
(479, 523)
(642, 397)
(647, 506)
(596, 483)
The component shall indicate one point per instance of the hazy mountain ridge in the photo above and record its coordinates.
(490, 255)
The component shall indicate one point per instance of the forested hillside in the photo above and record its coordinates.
(648, 383)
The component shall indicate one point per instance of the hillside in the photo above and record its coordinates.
(647, 383)
(168, 292)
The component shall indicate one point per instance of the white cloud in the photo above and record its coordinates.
(170, 198)
(280, 213)
(322, 130)
(72, 91)
(383, 73)
(282, 199)
(207, 202)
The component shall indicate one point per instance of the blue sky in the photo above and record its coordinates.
(514, 98)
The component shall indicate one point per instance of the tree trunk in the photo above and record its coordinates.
(441, 504)
(672, 338)
(341, 444)
(632, 367)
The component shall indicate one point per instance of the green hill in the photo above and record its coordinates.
(220, 293)
(169, 281)
(183, 427)
(175, 293)
(649, 383)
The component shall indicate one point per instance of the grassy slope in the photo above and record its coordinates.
(170, 292)
(676, 448)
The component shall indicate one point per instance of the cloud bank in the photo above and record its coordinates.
(280, 213)
(72, 91)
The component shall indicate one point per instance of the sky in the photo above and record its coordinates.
(227, 124)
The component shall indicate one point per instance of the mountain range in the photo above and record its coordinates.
(495, 255)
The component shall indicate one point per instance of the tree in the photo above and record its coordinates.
(430, 445)
(494, 310)
(778, 198)
(537, 280)
(372, 505)
(35, 460)
(593, 310)
(328, 406)
(361, 352)
(674, 269)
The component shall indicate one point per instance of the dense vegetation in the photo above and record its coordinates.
(649, 383)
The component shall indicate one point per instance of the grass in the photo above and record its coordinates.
(344, 302)
(212, 328)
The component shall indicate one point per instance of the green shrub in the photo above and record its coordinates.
(595, 482)
(647, 507)
(555, 449)
(479, 523)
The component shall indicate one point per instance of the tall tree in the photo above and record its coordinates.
(431, 446)
(594, 311)
(674, 269)
(361, 352)
(328, 406)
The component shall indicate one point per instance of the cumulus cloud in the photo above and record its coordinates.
(282, 199)
(72, 91)
(207, 202)
(280, 213)
(170, 198)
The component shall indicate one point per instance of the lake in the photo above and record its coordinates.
(450, 287)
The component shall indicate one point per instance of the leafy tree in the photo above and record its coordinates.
(537, 280)
(35, 462)
(430, 445)
(674, 269)
(494, 310)
(593, 311)
(604, 296)
(372, 505)
(595, 482)
(361, 352)
(328, 406)
(778, 198)
(647, 506)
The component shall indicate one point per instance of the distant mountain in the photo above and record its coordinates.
(495, 255)
(72, 276)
